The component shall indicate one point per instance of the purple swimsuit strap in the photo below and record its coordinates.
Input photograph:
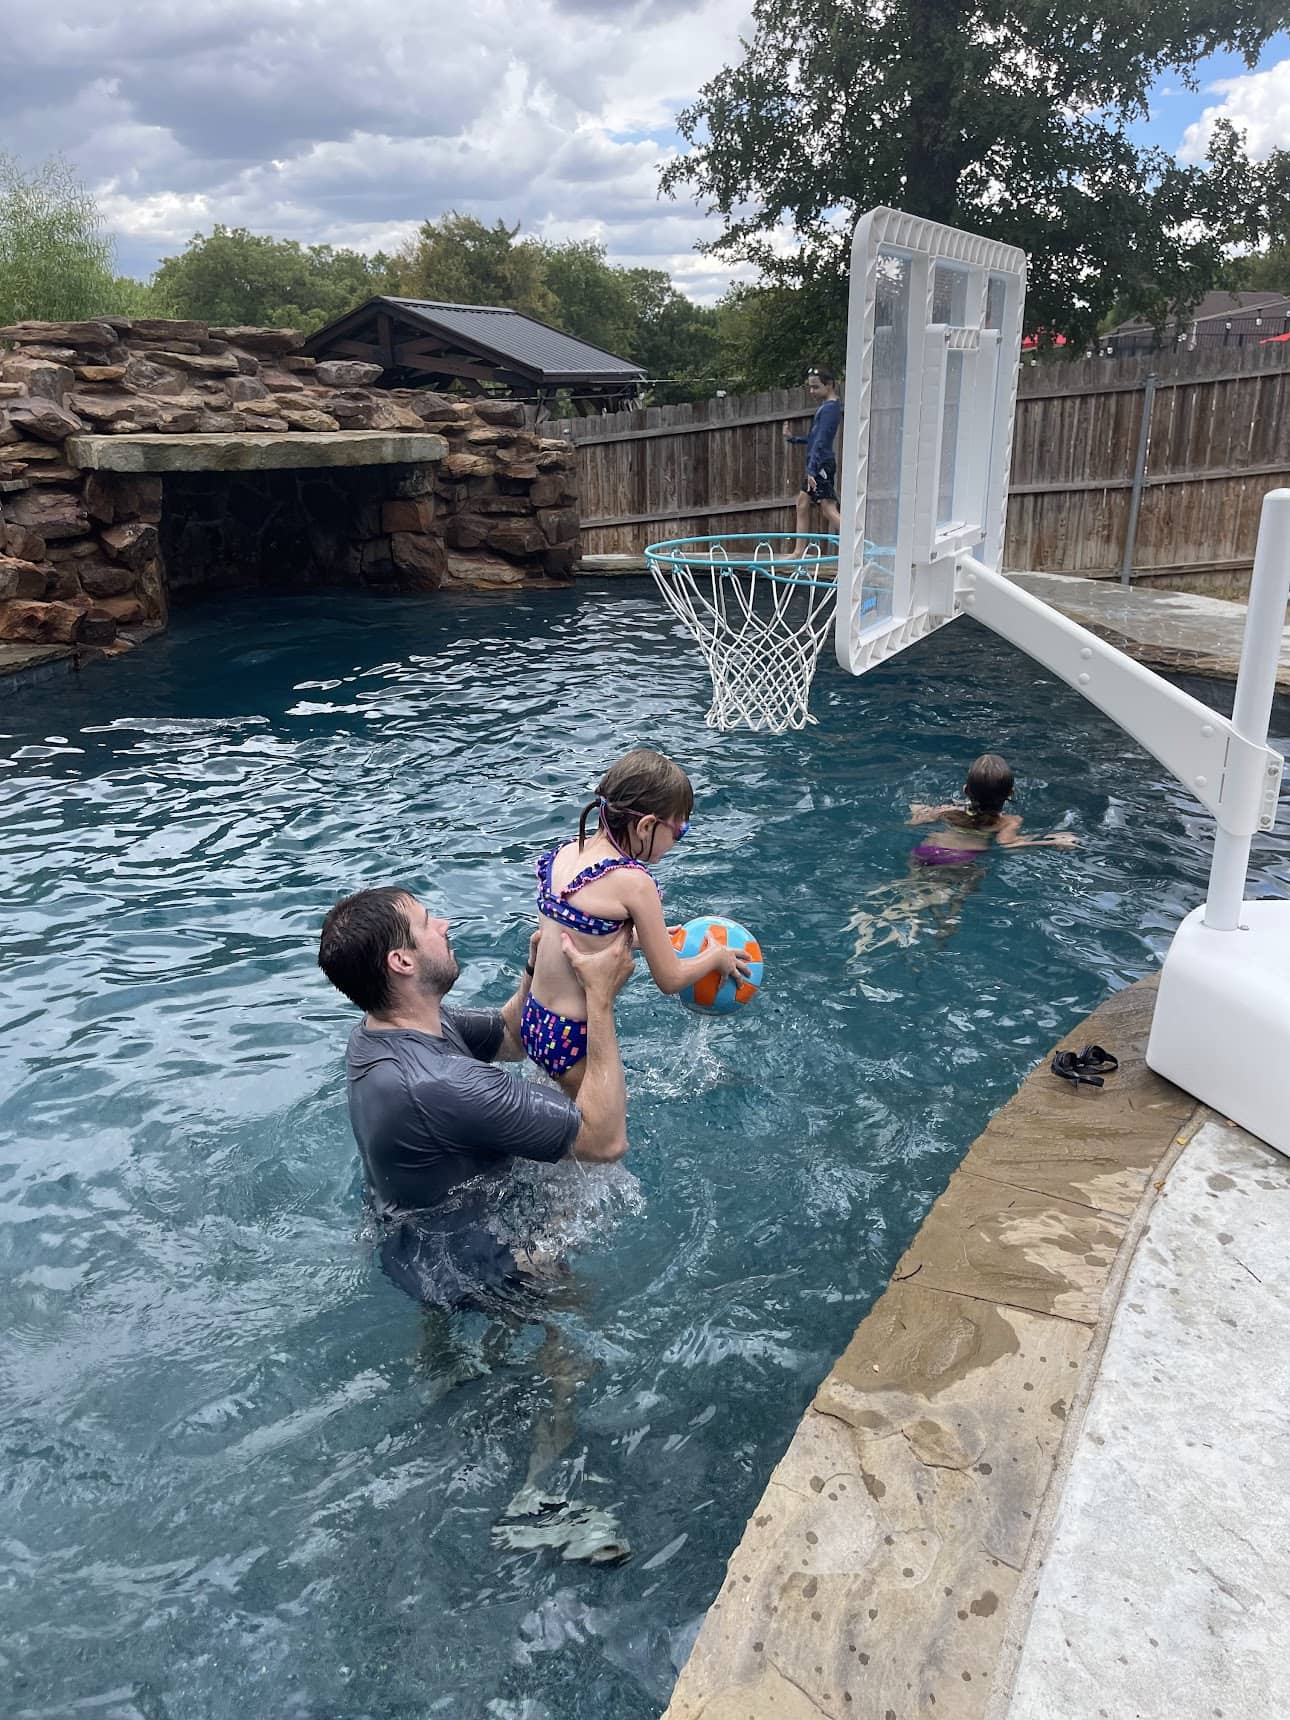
(589, 874)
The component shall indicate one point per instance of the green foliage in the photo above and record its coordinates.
(1013, 120)
(636, 313)
(55, 263)
(459, 260)
(676, 342)
(1260, 271)
(132, 298)
(232, 276)
(590, 298)
(770, 336)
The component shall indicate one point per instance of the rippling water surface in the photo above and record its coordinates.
(237, 1476)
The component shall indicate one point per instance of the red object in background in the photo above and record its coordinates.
(1272, 339)
(1031, 341)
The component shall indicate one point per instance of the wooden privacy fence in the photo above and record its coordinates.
(1218, 439)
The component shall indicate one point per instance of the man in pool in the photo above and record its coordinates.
(438, 1125)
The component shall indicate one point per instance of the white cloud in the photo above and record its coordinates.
(1258, 105)
(351, 123)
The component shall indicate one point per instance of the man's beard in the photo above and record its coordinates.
(437, 977)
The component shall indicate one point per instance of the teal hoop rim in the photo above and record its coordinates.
(681, 552)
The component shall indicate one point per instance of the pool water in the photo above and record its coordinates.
(239, 1476)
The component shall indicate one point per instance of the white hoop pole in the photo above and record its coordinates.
(1256, 686)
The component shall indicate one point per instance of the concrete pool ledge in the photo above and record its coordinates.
(881, 1574)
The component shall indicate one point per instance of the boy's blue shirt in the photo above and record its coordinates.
(819, 444)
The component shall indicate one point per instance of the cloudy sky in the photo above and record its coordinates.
(349, 121)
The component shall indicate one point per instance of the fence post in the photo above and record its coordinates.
(1139, 473)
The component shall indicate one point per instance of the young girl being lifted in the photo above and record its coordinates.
(594, 888)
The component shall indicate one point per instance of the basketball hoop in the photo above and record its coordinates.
(933, 348)
(760, 613)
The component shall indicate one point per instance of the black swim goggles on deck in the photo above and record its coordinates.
(1085, 1068)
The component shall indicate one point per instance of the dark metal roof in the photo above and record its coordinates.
(514, 340)
(522, 340)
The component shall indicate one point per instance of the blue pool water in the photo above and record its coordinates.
(236, 1476)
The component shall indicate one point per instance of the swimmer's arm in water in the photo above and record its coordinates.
(672, 973)
(1058, 839)
(1008, 832)
(511, 1051)
(1009, 836)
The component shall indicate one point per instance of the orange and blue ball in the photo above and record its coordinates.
(716, 994)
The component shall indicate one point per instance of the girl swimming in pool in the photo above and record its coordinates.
(969, 830)
(930, 890)
(595, 886)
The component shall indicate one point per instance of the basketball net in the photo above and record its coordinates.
(759, 619)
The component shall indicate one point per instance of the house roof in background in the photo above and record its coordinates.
(1242, 308)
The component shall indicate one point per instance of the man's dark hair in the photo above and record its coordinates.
(357, 937)
(825, 376)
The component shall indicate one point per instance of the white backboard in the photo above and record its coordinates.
(933, 347)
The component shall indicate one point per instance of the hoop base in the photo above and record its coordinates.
(1221, 1028)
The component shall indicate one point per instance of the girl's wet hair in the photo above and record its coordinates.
(644, 782)
(989, 783)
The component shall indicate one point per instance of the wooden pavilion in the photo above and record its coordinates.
(480, 349)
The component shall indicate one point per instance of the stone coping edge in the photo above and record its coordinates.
(260, 451)
(881, 1576)
(600, 566)
(22, 665)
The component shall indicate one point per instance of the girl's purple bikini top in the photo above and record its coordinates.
(557, 906)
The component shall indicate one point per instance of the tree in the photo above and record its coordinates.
(592, 298)
(232, 276)
(55, 262)
(1012, 119)
(675, 341)
(770, 336)
(635, 313)
(134, 298)
(1260, 271)
(458, 260)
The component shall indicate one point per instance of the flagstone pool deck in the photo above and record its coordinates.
(1180, 632)
(25, 665)
(1045, 1480)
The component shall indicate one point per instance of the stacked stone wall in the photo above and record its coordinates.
(84, 554)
